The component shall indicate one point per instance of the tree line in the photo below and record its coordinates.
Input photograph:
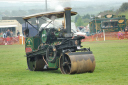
(79, 19)
(84, 20)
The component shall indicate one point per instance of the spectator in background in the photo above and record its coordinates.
(24, 33)
(126, 29)
(100, 31)
(18, 33)
(8, 33)
(1, 34)
(120, 35)
(11, 34)
(8, 36)
(4, 35)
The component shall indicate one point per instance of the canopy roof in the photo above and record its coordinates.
(58, 14)
(5, 26)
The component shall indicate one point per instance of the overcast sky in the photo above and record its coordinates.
(60, 4)
(66, 0)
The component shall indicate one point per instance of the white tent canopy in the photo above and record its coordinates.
(5, 26)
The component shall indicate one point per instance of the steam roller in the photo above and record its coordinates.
(57, 47)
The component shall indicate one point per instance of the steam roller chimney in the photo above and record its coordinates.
(68, 19)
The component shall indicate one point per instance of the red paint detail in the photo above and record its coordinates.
(28, 49)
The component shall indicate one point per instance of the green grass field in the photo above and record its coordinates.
(111, 67)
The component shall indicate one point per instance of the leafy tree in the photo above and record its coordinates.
(123, 7)
(76, 18)
(82, 20)
(79, 22)
(87, 16)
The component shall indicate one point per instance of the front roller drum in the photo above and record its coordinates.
(77, 62)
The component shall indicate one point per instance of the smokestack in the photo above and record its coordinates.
(68, 19)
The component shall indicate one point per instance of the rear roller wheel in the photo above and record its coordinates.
(31, 63)
(35, 64)
(65, 64)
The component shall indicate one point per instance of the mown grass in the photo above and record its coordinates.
(111, 67)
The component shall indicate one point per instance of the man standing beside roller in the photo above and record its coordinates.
(8, 36)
